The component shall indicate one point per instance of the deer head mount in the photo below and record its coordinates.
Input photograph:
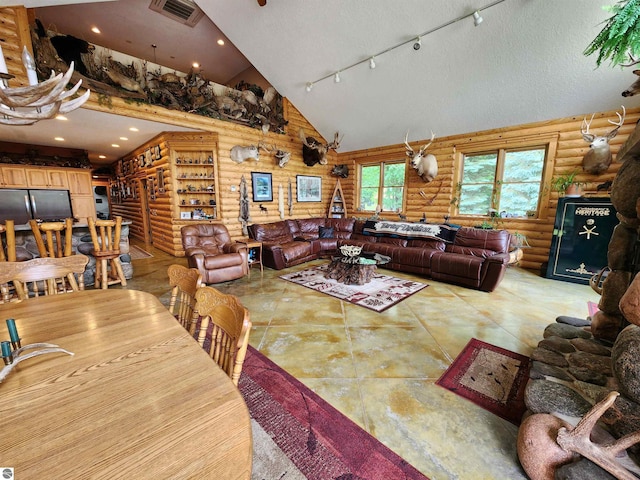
(282, 156)
(314, 152)
(598, 158)
(425, 164)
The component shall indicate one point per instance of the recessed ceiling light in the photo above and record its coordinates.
(220, 42)
(115, 145)
(133, 129)
(61, 117)
(195, 65)
(102, 156)
(95, 30)
(59, 139)
(124, 139)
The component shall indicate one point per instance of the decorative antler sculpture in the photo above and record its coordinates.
(27, 105)
(578, 440)
(16, 355)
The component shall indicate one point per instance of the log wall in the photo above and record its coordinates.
(14, 35)
(439, 194)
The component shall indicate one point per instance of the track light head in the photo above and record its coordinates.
(309, 86)
(336, 78)
(372, 63)
(418, 44)
(477, 19)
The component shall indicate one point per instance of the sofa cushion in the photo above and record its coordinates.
(277, 232)
(222, 261)
(310, 226)
(398, 242)
(472, 251)
(496, 240)
(456, 267)
(325, 232)
(342, 227)
(293, 251)
(427, 243)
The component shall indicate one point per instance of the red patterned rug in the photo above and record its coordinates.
(382, 292)
(491, 377)
(297, 435)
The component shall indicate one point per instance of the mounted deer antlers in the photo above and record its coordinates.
(282, 155)
(314, 152)
(425, 165)
(598, 158)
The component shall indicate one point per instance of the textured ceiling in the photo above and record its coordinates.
(523, 64)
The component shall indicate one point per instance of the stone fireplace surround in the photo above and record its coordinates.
(572, 413)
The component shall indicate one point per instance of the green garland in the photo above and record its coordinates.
(620, 38)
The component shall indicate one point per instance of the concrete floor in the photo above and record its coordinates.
(379, 369)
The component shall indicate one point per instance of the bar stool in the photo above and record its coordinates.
(7, 254)
(105, 235)
(52, 230)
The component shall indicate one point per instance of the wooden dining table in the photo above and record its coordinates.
(138, 399)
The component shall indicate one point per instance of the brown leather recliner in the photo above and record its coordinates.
(208, 247)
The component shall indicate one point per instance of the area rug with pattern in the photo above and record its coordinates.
(382, 292)
(137, 253)
(491, 377)
(297, 435)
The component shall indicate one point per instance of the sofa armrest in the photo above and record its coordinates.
(493, 270)
(501, 258)
(273, 256)
(234, 247)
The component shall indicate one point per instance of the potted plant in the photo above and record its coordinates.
(567, 185)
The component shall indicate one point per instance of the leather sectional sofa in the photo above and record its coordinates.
(471, 257)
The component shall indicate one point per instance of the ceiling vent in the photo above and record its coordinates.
(183, 11)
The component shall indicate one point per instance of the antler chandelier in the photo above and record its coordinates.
(38, 101)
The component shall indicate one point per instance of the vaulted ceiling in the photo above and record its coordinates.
(524, 63)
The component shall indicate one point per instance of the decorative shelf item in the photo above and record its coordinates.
(337, 208)
(13, 352)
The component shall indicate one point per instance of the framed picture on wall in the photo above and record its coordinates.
(261, 185)
(308, 188)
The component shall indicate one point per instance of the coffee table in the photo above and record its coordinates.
(356, 270)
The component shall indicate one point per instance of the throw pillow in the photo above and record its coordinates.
(325, 232)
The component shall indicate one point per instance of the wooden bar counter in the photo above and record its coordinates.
(139, 399)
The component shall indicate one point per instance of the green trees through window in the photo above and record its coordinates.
(382, 184)
(508, 182)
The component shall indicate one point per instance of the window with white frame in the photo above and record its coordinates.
(382, 184)
(506, 181)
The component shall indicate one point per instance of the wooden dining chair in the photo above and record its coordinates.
(222, 327)
(48, 237)
(184, 282)
(41, 276)
(105, 235)
(7, 254)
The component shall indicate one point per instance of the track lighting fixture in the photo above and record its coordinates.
(477, 19)
(417, 43)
